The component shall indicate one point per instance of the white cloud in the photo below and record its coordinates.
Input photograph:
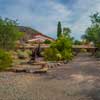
(85, 9)
(44, 14)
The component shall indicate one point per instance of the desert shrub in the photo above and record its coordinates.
(97, 54)
(47, 42)
(51, 54)
(13, 54)
(5, 60)
(29, 52)
(61, 49)
(22, 54)
(33, 43)
(83, 50)
(64, 46)
(67, 55)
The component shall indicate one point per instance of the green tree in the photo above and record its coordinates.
(66, 31)
(64, 46)
(9, 34)
(61, 49)
(77, 42)
(95, 18)
(93, 32)
(59, 29)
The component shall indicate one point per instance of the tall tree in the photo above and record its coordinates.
(95, 18)
(9, 33)
(59, 29)
(93, 32)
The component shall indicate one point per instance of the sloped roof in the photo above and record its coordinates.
(27, 29)
(43, 36)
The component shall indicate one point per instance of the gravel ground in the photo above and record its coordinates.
(77, 80)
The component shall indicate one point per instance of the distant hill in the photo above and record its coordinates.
(27, 29)
(28, 33)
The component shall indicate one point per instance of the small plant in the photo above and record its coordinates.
(83, 50)
(51, 54)
(97, 54)
(47, 42)
(5, 60)
(22, 54)
(29, 52)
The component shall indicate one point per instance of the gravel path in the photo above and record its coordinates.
(77, 80)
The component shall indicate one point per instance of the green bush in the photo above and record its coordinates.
(29, 52)
(61, 49)
(22, 54)
(5, 60)
(97, 54)
(67, 55)
(51, 54)
(47, 42)
(83, 50)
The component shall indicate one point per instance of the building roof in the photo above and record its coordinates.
(43, 36)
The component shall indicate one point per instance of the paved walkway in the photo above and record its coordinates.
(77, 80)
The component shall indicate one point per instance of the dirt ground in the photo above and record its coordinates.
(77, 80)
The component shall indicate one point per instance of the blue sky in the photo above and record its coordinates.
(43, 15)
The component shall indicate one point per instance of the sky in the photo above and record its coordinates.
(44, 15)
